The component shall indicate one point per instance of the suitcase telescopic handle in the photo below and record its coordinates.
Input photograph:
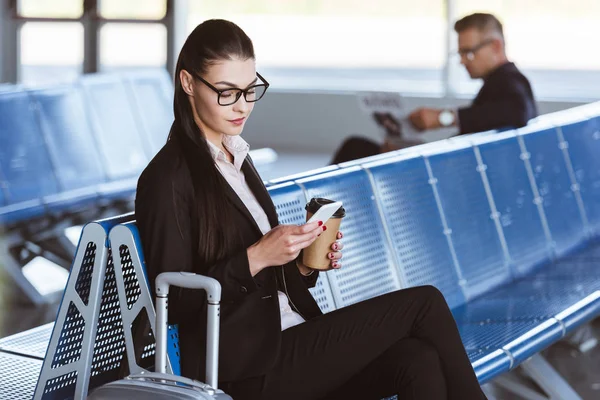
(189, 280)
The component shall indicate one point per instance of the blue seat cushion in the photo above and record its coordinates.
(71, 201)
(488, 364)
(24, 211)
(521, 338)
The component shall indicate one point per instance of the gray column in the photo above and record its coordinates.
(9, 43)
(176, 22)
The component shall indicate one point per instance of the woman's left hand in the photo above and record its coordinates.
(336, 254)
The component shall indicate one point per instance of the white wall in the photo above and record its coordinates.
(318, 122)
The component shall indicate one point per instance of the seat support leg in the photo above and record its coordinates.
(543, 374)
(513, 383)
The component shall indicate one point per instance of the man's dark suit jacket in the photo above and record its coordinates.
(250, 336)
(505, 100)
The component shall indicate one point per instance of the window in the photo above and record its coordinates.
(51, 52)
(132, 9)
(341, 43)
(50, 9)
(125, 45)
(555, 45)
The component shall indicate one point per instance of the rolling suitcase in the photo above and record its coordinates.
(163, 386)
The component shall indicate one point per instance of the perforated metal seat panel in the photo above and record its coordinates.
(513, 195)
(289, 202)
(91, 287)
(31, 343)
(551, 176)
(18, 376)
(417, 232)
(468, 214)
(584, 147)
(368, 269)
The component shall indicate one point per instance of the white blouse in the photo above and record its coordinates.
(232, 172)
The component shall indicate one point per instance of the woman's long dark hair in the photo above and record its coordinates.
(213, 40)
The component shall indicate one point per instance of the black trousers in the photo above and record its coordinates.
(354, 148)
(403, 343)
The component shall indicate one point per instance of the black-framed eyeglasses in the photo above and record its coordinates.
(228, 97)
(469, 54)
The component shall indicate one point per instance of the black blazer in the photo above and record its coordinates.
(505, 100)
(250, 317)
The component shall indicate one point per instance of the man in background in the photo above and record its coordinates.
(504, 101)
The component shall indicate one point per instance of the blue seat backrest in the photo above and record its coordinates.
(584, 150)
(152, 96)
(2, 184)
(465, 205)
(369, 268)
(415, 226)
(511, 187)
(289, 200)
(555, 187)
(24, 159)
(66, 129)
(117, 131)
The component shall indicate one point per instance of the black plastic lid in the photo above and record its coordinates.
(316, 202)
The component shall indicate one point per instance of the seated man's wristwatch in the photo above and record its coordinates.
(446, 118)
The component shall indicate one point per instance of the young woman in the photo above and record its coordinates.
(201, 206)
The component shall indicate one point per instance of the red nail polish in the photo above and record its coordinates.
(331, 255)
(320, 223)
(335, 247)
(324, 227)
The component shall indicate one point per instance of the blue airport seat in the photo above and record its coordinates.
(583, 138)
(25, 165)
(118, 134)
(519, 214)
(70, 144)
(80, 170)
(457, 176)
(151, 94)
(555, 187)
(416, 229)
(369, 268)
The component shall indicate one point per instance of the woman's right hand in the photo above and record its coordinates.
(281, 245)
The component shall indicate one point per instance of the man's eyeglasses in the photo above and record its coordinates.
(469, 54)
(228, 97)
